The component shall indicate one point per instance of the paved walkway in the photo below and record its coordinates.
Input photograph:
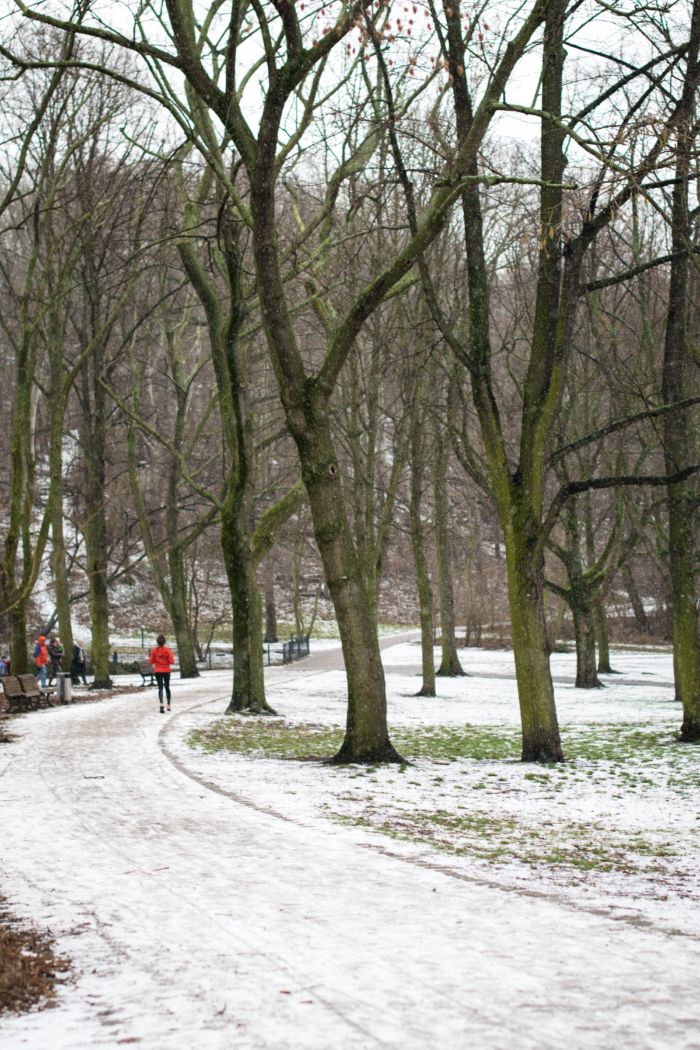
(196, 921)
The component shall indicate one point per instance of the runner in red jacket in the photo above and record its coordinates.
(162, 660)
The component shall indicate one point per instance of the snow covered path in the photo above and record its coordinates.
(195, 919)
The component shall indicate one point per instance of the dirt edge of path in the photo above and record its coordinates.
(29, 967)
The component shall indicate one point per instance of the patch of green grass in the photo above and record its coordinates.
(270, 737)
(280, 739)
(628, 758)
(617, 744)
(451, 742)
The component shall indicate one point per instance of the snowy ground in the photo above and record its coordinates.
(238, 897)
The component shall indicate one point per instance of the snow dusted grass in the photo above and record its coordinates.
(616, 761)
(619, 818)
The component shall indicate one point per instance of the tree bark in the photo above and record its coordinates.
(177, 606)
(540, 728)
(306, 409)
(678, 428)
(518, 493)
(450, 666)
(270, 609)
(229, 358)
(636, 602)
(61, 576)
(601, 619)
(367, 734)
(19, 650)
(249, 681)
(179, 615)
(584, 630)
(425, 593)
(93, 404)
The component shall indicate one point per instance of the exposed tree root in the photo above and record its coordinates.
(368, 757)
(690, 731)
(541, 747)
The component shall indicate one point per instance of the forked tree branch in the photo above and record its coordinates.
(620, 424)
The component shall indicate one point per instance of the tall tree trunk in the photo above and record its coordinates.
(61, 577)
(296, 593)
(518, 493)
(95, 529)
(230, 367)
(677, 695)
(249, 680)
(14, 595)
(306, 410)
(679, 431)
(425, 593)
(584, 630)
(186, 655)
(187, 658)
(450, 666)
(541, 739)
(56, 405)
(177, 605)
(367, 733)
(270, 610)
(636, 602)
(58, 555)
(601, 619)
(538, 714)
(19, 648)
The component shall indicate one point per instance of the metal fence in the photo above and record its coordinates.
(294, 649)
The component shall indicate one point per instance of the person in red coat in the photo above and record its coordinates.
(41, 659)
(162, 660)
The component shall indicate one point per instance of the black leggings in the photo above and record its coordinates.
(163, 679)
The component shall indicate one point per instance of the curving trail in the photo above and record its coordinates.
(190, 914)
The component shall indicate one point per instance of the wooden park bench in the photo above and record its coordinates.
(35, 693)
(146, 671)
(14, 695)
(24, 693)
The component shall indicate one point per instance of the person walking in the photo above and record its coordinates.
(78, 664)
(41, 659)
(55, 651)
(162, 660)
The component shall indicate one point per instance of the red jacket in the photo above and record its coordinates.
(162, 659)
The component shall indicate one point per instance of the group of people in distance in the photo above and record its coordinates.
(51, 656)
(49, 659)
